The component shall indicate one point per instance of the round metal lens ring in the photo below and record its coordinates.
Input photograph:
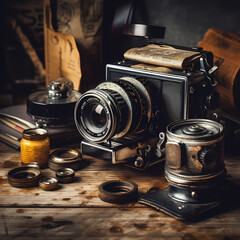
(118, 192)
(24, 174)
(122, 92)
(105, 99)
(143, 91)
(74, 155)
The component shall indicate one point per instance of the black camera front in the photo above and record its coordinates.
(113, 110)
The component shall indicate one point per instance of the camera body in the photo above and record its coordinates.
(165, 97)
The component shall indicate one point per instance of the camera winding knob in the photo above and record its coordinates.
(206, 156)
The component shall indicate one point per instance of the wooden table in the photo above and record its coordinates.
(75, 212)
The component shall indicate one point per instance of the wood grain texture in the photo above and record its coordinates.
(123, 223)
(74, 211)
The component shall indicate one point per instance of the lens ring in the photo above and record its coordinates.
(143, 91)
(118, 192)
(110, 108)
(115, 87)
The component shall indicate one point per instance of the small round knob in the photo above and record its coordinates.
(207, 156)
(138, 162)
(59, 88)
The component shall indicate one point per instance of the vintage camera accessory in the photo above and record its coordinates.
(65, 158)
(24, 177)
(48, 183)
(113, 109)
(55, 106)
(65, 175)
(118, 192)
(35, 146)
(194, 169)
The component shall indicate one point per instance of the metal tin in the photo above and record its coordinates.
(65, 158)
(48, 183)
(35, 146)
(194, 153)
(24, 177)
(55, 106)
(65, 175)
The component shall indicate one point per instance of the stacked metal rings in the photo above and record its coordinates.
(24, 177)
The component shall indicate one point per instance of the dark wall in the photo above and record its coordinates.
(186, 21)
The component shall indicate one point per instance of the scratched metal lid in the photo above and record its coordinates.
(195, 129)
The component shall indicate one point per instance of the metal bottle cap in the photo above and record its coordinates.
(48, 183)
(59, 88)
(65, 175)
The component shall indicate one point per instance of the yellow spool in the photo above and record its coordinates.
(35, 146)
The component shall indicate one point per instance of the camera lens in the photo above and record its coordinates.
(94, 115)
(112, 110)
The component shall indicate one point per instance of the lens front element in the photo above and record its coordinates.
(95, 117)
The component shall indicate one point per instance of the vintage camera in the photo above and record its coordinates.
(120, 120)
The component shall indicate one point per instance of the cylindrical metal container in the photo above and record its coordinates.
(35, 146)
(194, 159)
(53, 107)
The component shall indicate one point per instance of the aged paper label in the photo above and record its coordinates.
(163, 55)
(62, 57)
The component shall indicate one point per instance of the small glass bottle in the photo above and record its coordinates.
(35, 146)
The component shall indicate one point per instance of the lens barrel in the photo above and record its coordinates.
(112, 110)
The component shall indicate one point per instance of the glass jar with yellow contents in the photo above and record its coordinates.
(35, 146)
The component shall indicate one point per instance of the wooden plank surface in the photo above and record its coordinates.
(82, 192)
(75, 212)
(123, 223)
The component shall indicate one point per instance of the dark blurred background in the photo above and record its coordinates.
(186, 21)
